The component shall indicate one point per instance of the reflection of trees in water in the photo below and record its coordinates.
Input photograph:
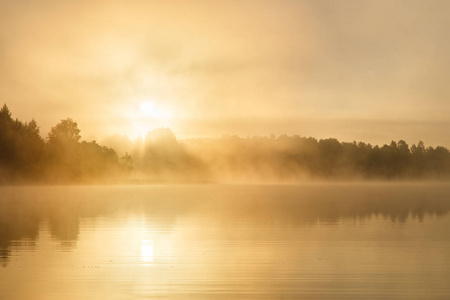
(65, 229)
(24, 210)
(293, 205)
(19, 223)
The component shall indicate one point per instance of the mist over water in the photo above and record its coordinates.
(315, 241)
(63, 157)
(247, 149)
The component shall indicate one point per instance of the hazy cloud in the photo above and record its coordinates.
(272, 63)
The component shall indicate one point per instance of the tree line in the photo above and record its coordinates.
(63, 157)
(294, 157)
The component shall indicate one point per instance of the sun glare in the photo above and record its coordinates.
(151, 110)
(147, 251)
(147, 108)
(146, 116)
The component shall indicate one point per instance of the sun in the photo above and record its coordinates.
(147, 108)
(146, 115)
(147, 252)
(156, 112)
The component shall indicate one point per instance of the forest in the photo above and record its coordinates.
(63, 157)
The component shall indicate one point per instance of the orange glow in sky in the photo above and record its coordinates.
(373, 70)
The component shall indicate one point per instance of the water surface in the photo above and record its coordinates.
(318, 241)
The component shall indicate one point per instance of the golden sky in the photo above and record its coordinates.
(353, 70)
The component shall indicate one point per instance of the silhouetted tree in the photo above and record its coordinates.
(127, 162)
(64, 150)
(65, 132)
(97, 161)
(290, 157)
(25, 156)
(165, 156)
(21, 148)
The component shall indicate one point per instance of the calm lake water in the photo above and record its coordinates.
(317, 241)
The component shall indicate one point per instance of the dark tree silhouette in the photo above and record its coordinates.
(63, 157)
(25, 156)
(295, 157)
(21, 148)
(165, 156)
(127, 162)
(65, 131)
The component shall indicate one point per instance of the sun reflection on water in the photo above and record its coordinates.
(147, 252)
